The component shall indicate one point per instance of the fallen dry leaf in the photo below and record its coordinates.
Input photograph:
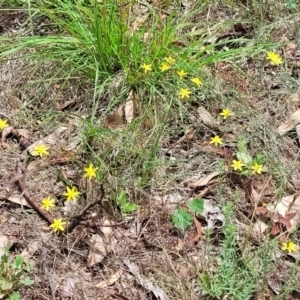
(146, 283)
(16, 197)
(204, 180)
(298, 131)
(111, 280)
(290, 123)
(51, 139)
(130, 105)
(101, 246)
(206, 118)
(210, 148)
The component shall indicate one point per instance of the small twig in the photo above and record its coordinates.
(20, 179)
(78, 219)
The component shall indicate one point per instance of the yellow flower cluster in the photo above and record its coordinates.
(166, 65)
(239, 165)
(71, 194)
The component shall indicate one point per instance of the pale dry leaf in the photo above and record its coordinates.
(102, 245)
(282, 206)
(290, 123)
(99, 249)
(206, 118)
(129, 108)
(51, 139)
(298, 131)
(111, 280)
(4, 241)
(204, 180)
(146, 283)
(30, 249)
(67, 287)
(18, 199)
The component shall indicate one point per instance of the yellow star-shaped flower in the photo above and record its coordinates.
(181, 74)
(147, 68)
(274, 58)
(58, 225)
(257, 169)
(289, 247)
(40, 150)
(71, 194)
(216, 140)
(164, 67)
(197, 81)
(170, 60)
(184, 93)
(90, 172)
(3, 124)
(226, 113)
(237, 165)
(48, 203)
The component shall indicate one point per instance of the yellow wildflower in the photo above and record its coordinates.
(274, 58)
(216, 140)
(164, 67)
(40, 150)
(237, 165)
(257, 168)
(170, 60)
(90, 172)
(197, 81)
(3, 124)
(184, 93)
(57, 225)
(226, 113)
(289, 247)
(48, 203)
(71, 194)
(147, 68)
(181, 74)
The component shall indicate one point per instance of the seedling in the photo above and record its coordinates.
(126, 207)
(12, 275)
(182, 219)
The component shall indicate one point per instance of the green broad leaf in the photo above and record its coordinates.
(129, 207)
(260, 158)
(14, 296)
(181, 219)
(244, 157)
(242, 145)
(246, 173)
(196, 205)
(27, 281)
(122, 199)
(18, 262)
(5, 285)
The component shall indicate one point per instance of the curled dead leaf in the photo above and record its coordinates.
(111, 280)
(206, 118)
(204, 180)
(292, 121)
(130, 107)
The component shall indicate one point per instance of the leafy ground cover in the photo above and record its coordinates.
(149, 149)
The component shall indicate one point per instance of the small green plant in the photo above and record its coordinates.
(12, 275)
(126, 207)
(232, 279)
(182, 219)
(291, 4)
